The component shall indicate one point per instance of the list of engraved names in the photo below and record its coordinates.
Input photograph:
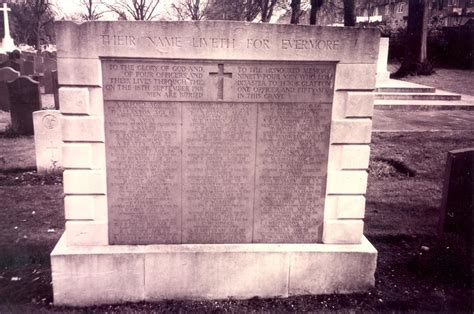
(216, 151)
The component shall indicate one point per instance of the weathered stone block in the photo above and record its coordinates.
(82, 129)
(84, 155)
(350, 270)
(355, 76)
(347, 182)
(86, 233)
(198, 271)
(359, 104)
(85, 72)
(344, 207)
(86, 276)
(343, 231)
(74, 100)
(85, 207)
(84, 182)
(351, 131)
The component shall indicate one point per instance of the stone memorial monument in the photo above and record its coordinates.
(48, 142)
(213, 160)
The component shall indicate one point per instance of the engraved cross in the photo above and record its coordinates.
(221, 75)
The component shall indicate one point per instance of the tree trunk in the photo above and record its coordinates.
(295, 11)
(349, 13)
(415, 61)
(315, 6)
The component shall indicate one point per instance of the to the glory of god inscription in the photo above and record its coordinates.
(216, 151)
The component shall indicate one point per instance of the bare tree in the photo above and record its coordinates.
(33, 21)
(349, 13)
(266, 9)
(235, 10)
(315, 6)
(92, 10)
(139, 10)
(295, 11)
(190, 9)
(415, 60)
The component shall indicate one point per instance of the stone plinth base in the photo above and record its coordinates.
(122, 273)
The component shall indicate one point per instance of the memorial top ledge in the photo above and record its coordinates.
(216, 40)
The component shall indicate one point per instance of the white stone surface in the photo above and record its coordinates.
(348, 157)
(344, 207)
(85, 72)
(85, 207)
(48, 141)
(355, 76)
(86, 233)
(84, 156)
(351, 131)
(82, 129)
(347, 182)
(347, 271)
(93, 277)
(343, 231)
(359, 104)
(116, 274)
(84, 182)
(74, 100)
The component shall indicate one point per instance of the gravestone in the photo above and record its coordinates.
(48, 142)
(6, 74)
(457, 205)
(38, 64)
(28, 68)
(213, 160)
(48, 82)
(11, 64)
(50, 64)
(383, 74)
(55, 88)
(24, 100)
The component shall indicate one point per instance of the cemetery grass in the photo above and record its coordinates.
(416, 270)
(452, 80)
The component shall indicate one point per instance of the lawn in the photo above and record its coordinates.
(452, 80)
(416, 270)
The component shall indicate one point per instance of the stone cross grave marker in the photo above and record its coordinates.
(48, 142)
(213, 159)
(6, 74)
(7, 41)
(24, 100)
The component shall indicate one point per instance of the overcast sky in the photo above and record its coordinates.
(71, 7)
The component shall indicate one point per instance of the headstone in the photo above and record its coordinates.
(28, 68)
(48, 82)
(38, 65)
(50, 64)
(55, 88)
(11, 64)
(383, 74)
(203, 157)
(24, 100)
(6, 74)
(457, 205)
(48, 141)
